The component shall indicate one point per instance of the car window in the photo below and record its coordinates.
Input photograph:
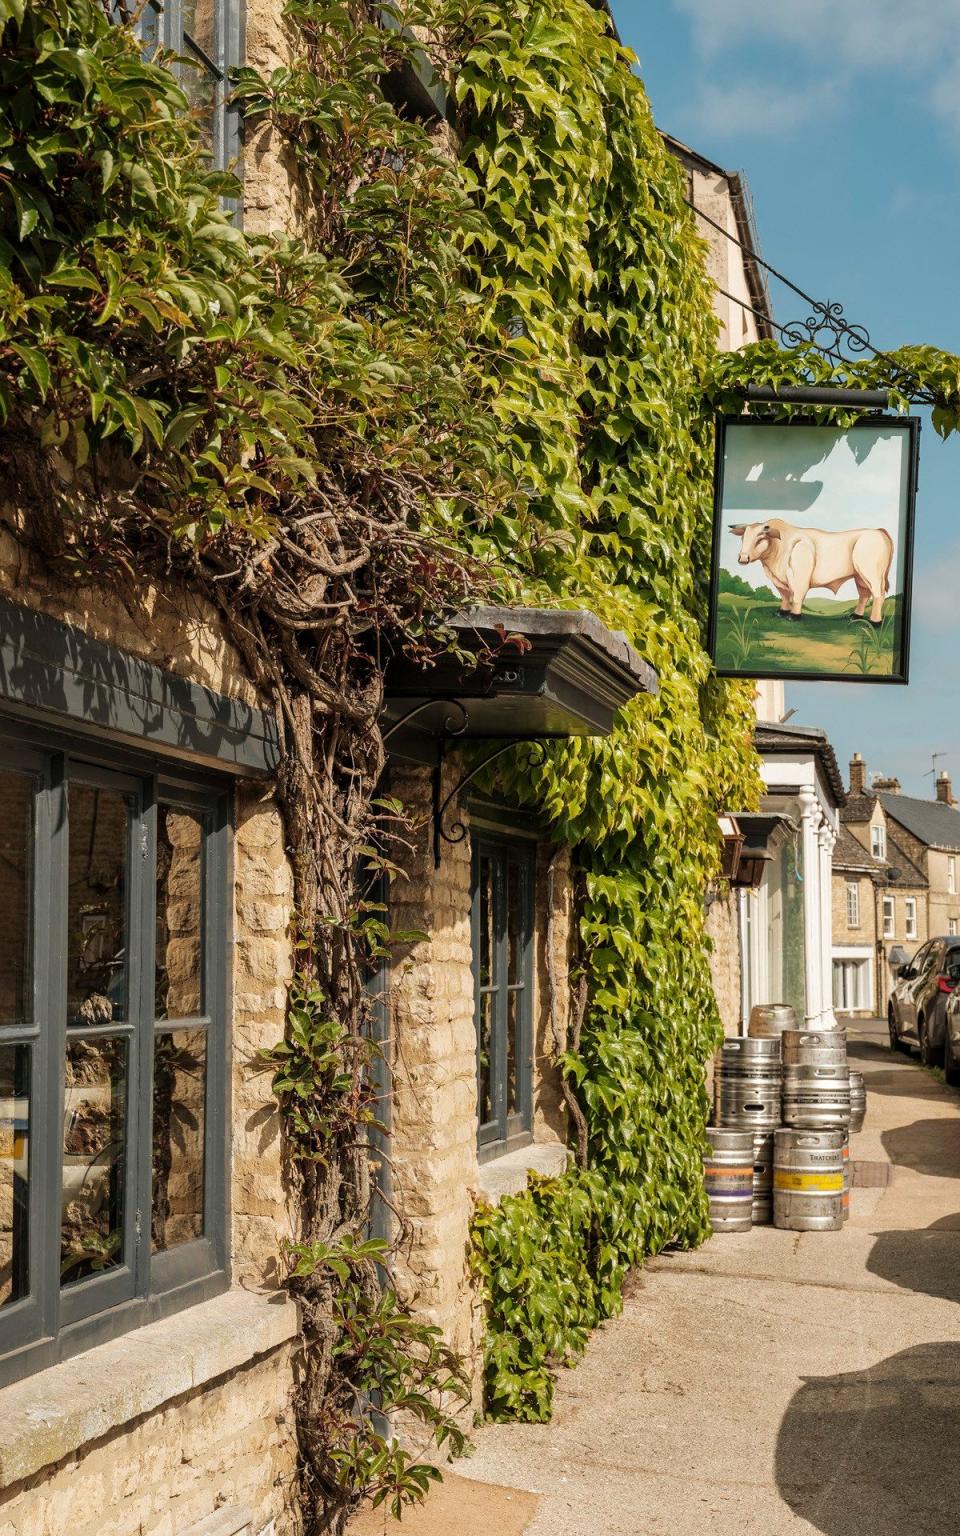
(920, 959)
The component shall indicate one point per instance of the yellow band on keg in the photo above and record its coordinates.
(823, 1183)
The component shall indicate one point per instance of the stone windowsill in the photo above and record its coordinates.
(52, 1414)
(507, 1175)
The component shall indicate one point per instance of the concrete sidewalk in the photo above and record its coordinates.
(769, 1383)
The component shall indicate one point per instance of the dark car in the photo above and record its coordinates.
(916, 1013)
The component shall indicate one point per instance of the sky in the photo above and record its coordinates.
(844, 115)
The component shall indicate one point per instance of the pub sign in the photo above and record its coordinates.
(813, 548)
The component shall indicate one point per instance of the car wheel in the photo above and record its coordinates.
(896, 1044)
(951, 1071)
(923, 1035)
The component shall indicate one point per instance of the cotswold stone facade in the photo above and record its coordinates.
(186, 1422)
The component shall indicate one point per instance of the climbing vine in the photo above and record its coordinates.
(485, 374)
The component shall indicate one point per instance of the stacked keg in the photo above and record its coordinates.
(811, 1153)
(787, 1098)
(748, 1083)
(858, 1102)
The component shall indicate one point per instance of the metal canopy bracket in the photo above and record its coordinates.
(536, 755)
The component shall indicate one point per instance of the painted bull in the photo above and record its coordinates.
(796, 559)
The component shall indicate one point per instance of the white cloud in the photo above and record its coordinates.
(767, 108)
(830, 41)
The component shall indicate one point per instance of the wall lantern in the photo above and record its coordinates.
(813, 547)
(732, 845)
(762, 834)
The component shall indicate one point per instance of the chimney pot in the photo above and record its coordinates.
(889, 786)
(858, 774)
(944, 788)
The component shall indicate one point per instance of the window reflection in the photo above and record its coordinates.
(96, 941)
(179, 1090)
(16, 832)
(179, 978)
(14, 1171)
(94, 1140)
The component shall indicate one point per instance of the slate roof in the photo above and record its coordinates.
(930, 821)
(851, 854)
(770, 739)
(897, 856)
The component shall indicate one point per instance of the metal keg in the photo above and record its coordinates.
(845, 1202)
(814, 1048)
(747, 1082)
(728, 1176)
(763, 1179)
(815, 1097)
(858, 1101)
(808, 1180)
(769, 1020)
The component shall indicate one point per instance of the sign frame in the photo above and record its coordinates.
(910, 426)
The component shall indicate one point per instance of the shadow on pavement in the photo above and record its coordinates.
(925, 1146)
(926, 1260)
(874, 1451)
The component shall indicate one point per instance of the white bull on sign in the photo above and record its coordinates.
(796, 559)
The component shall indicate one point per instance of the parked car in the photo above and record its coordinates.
(951, 1039)
(917, 1011)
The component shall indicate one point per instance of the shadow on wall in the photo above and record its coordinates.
(875, 1451)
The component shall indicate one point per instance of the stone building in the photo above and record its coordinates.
(914, 845)
(148, 1353)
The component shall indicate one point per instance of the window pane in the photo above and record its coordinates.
(179, 1083)
(94, 1138)
(14, 1155)
(200, 83)
(179, 979)
(16, 842)
(96, 941)
(486, 922)
(514, 997)
(486, 1057)
(514, 924)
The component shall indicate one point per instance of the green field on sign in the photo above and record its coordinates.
(753, 637)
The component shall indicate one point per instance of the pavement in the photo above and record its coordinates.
(769, 1383)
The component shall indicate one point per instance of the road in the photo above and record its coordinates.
(771, 1382)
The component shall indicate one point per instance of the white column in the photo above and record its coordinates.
(827, 839)
(812, 933)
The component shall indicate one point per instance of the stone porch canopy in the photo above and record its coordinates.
(517, 674)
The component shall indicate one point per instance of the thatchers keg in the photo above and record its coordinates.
(816, 1098)
(763, 1179)
(747, 1082)
(814, 1048)
(728, 1176)
(858, 1101)
(768, 1020)
(808, 1180)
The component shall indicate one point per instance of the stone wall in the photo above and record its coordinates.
(866, 931)
(433, 1052)
(228, 1445)
(722, 927)
(553, 941)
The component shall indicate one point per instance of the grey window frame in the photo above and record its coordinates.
(51, 1323)
(230, 24)
(505, 1132)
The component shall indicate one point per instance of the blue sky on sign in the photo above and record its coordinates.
(845, 117)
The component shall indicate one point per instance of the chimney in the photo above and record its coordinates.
(858, 774)
(945, 789)
(889, 786)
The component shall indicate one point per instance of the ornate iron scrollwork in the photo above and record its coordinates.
(536, 754)
(449, 726)
(830, 332)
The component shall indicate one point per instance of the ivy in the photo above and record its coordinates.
(595, 296)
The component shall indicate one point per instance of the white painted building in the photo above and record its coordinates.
(786, 925)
